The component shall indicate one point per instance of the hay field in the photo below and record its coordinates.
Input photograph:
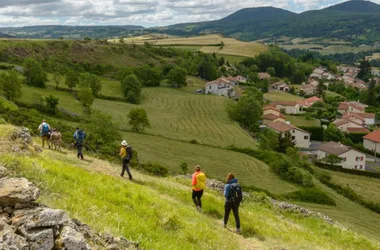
(281, 96)
(332, 49)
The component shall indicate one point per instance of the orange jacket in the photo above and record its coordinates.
(198, 181)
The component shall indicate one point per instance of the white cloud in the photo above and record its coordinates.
(139, 12)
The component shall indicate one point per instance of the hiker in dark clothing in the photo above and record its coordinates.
(233, 194)
(126, 156)
(79, 137)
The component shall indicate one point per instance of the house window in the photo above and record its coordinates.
(293, 131)
(306, 137)
(210, 87)
(356, 167)
(361, 166)
(293, 138)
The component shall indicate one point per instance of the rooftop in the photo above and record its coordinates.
(374, 136)
(283, 127)
(358, 130)
(334, 148)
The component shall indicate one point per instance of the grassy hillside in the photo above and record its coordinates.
(281, 96)
(158, 213)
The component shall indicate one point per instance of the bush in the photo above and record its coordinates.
(316, 132)
(193, 141)
(312, 195)
(155, 169)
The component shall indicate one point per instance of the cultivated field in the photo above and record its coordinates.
(301, 121)
(331, 49)
(206, 44)
(281, 96)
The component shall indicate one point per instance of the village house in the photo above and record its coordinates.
(222, 87)
(272, 114)
(345, 124)
(289, 107)
(308, 89)
(263, 75)
(356, 107)
(282, 86)
(372, 141)
(307, 103)
(299, 136)
(350, 158)
(362, 118)
(375, 72)
(358, 131)
(238, 79)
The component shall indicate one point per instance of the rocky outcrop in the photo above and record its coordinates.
(26, 224)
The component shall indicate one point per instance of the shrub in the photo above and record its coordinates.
(312, 195)
(155, 169)
(193, 141)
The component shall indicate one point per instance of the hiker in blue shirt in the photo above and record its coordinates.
(79, 137)
(44, 129)
(234, 195)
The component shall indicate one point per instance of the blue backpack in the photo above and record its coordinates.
(80, 136)
(45, 128)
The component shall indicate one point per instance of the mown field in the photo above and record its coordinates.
(274, 95)
(177, 114)
(331, 49)
(301, 121)
(206, 44)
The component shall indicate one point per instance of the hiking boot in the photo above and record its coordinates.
(199, 209)
(224, 225)
(238, 231)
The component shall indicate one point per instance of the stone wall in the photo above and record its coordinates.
(28, 225)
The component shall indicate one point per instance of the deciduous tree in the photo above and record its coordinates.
(35, 75)
(131, 88)
(72, 79)
(10, 81)
(91, 81)
(86, 98)
(138, 119)
(51, 104)
(177, 77)
(333, 133)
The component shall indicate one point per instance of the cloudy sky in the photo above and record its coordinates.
(138, 12)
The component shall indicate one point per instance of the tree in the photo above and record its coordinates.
(271, 71)
(138, 119)
(91, 81)
(51, 104)
(121, 40)
(177, 77)
(35, 75)
(86, 98)
(131, 88)
(332, 159)
(87, 39)
(248, 110)
(269, 140)
(11, 84)
(285, 142)
(72, 79)
(207, 70)
(57, 79)
(321, 89)
(365, 70)
(183, 167)
(372, 95)
(333, 133)
(149, 76)
(221, 61)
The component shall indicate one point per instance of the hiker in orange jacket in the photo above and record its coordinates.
(198, 183)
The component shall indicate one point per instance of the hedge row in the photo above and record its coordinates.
(316, 132)
(312, 195)
(348, 171)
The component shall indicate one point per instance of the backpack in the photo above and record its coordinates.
(80, 136)
(201, 181)
(45, 129)
(236, 195)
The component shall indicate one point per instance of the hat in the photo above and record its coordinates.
(43, 120)
(124, 143)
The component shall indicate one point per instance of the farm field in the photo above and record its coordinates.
(374, 56)
(214, 161)
(301, 121)
(274, 95)
(332, 49)
(367, 187)
(206, 44)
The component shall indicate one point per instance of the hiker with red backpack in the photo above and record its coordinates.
(79, 137)
(198, 184)
(233, 195)
(44, 129)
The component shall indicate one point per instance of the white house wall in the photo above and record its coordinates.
(371, 145)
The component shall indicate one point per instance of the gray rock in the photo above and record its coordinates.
(17, 190)
(8, 239)
(70, 239)
(41, 239)
(39, 217)
(8, 210)
(3, 172)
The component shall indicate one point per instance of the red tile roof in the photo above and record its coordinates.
(358, 130)
(273, 117)
(309, 101)
(283, 127)
(374, 136)
(339, 122)
(285, 103)
(361, 116)
(345, 105)
(334, 148)
(271, 107)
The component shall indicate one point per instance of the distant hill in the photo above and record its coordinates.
(71, 32)
(355, 21)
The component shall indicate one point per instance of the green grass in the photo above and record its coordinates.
(159, 214)
(332, 49)
(333, 94)
(232, 59)
(302, 121)
(188, 48)
(281, 96)
(215, 162)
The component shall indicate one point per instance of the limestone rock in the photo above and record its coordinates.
(3, 172)
(72, 240)
(17, 190)
(41, 239)
(39, 217)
